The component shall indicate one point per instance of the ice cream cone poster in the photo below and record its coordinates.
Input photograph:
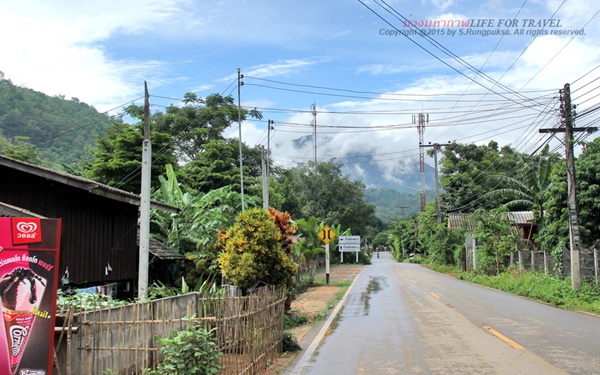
(29, 253)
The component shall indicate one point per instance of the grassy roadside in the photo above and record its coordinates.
(536, 286)
(343, 285)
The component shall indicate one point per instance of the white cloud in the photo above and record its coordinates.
(59, 49)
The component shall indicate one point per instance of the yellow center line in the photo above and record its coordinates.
(502, 337)
(433, 294)
(412, 281)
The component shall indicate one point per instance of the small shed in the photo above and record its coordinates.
(99, 223)
(523, 220)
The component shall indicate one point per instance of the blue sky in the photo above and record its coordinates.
(339, 55)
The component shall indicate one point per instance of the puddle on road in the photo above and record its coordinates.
(375, 284)
(373, 287)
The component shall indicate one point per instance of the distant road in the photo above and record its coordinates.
(402, 318)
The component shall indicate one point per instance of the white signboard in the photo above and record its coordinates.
(349, 244)
(349, 248)
(349, 240)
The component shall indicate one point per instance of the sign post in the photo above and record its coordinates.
(349, 244)
(29, 254)
(326, 235)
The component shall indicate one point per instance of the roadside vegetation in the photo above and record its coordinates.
(541, 287)
(484, 183)
(197, 171)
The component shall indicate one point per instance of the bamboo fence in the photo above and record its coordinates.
(122, 340)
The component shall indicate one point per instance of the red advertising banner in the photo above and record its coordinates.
(29, 253)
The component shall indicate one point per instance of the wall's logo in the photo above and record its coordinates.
(26, 231)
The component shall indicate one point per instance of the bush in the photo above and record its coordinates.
(254, 249)
(292, 320)
(189, 352)
(289, 343)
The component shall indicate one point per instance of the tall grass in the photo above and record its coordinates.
(540, 287)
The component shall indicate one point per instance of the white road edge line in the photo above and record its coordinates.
(313, 346)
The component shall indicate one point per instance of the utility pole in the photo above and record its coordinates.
(313, 107)
(145, 200)
(269, 128)
(420, 119)
(402, 208)
(436, 148)
(567, 114)
(265, 187)
(240, 83)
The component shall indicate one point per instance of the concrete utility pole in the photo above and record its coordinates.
(422, 118)
(240, 84)
(313, 107)
(265, 187)
(145, 201)
(436, 148)
(269, 128)
(566, 110)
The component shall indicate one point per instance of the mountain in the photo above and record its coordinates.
(394, 188)
(62, 131)
(397, 197)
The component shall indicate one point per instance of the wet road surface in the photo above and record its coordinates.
(401, 318)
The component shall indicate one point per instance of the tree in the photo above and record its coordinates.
(252, 251)
(199, 121)
(218, 166)
(436, 241)
(466, 171)
(528, 190)
(403, 237)
(495, 239)
(555, 234)
(20, 149)
(118, 157)
(322, 192)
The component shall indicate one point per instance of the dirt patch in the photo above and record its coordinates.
(314, 304)
(316, 299)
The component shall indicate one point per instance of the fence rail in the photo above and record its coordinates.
(541, 261)
(122, 339)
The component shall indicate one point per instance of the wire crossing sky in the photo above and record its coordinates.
(482, 71)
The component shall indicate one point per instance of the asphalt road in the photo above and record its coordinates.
(401, 318)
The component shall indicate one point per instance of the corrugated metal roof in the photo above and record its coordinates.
(521, 217)
(460, 221)
(160, 250)
(464, 220)
(82, 183)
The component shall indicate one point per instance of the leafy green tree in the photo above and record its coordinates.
(440, 244)
(404, 238)
(322, 192)
(20, 149)
(252, 251)
(555, 234)
(199, 121)
(118, 157)
(218, 166)
(381, 239)
(529, 189)
(465, 175)
(495, 239)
